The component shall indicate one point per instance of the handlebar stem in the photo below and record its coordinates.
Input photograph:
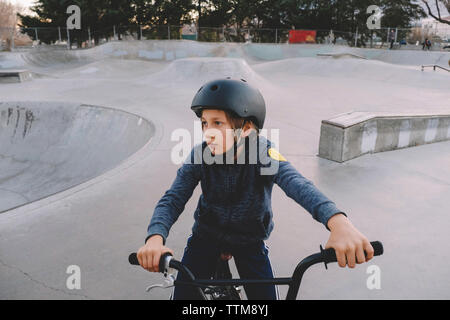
(298, 274)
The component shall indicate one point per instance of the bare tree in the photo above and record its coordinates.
(438, 17)
(447, 4)
(6, 14)
(8, 25)
(7, 22)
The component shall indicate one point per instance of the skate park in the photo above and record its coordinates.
(85, 155)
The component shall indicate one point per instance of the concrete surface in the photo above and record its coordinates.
(163, 50)
(47, 147)
(354, 134)
(398, 197)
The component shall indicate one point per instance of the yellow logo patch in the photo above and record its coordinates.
(274, 154)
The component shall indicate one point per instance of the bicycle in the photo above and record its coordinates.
(222, 287)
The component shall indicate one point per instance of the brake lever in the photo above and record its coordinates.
(168, 283)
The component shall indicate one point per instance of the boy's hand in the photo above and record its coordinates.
(348, 242)
(149, 255)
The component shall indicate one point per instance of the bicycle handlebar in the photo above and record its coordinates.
(329, 255)
(325, 255)
(163, 263)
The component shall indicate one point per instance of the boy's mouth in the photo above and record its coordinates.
(213, 148)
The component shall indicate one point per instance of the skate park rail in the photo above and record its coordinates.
(434, 66)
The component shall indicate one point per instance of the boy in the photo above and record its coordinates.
(237, 169)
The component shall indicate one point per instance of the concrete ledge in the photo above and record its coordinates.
(14, 76)
(354, 134)
(341, 55)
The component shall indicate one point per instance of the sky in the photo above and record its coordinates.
(433, 8)
(25, 3)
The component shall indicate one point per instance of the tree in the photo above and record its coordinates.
(400, 13)
(438, 17)
(342, 16)
(7, 22)
(216, 13)
(7, 13)
(98, 15)
(8, 25)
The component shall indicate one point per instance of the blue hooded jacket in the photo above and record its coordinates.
(235, 205)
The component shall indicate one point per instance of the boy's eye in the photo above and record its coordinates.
(218, 123)
(204, 123)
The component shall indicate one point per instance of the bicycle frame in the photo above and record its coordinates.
(293, 282)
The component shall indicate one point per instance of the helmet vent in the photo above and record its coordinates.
(214, 87)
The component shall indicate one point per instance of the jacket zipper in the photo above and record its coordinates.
(230, 180)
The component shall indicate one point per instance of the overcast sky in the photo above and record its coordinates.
(433, 8)
(25, 3)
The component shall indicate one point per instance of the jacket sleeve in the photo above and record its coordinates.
(305, 193)
(172, 204)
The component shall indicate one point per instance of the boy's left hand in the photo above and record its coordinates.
(348, 242)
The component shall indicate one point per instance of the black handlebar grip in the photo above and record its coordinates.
(377, 248)
(329, 255)
(132, 259)
(162, 260)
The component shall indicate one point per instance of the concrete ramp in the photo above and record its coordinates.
(199, 70)
(354, 134)
(354, 69)
(48, 147)
(170, 50)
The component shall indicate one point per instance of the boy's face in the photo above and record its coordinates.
(217, 130)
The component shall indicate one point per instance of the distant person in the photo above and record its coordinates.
(426, 44)
(332, 37)
(392, 38)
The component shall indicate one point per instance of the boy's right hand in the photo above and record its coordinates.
(149, 254)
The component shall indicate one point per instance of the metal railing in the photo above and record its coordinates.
(434, 66)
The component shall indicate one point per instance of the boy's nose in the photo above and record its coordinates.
(209, 138)
(210, 134)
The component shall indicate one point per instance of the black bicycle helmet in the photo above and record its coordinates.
(235, 96)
